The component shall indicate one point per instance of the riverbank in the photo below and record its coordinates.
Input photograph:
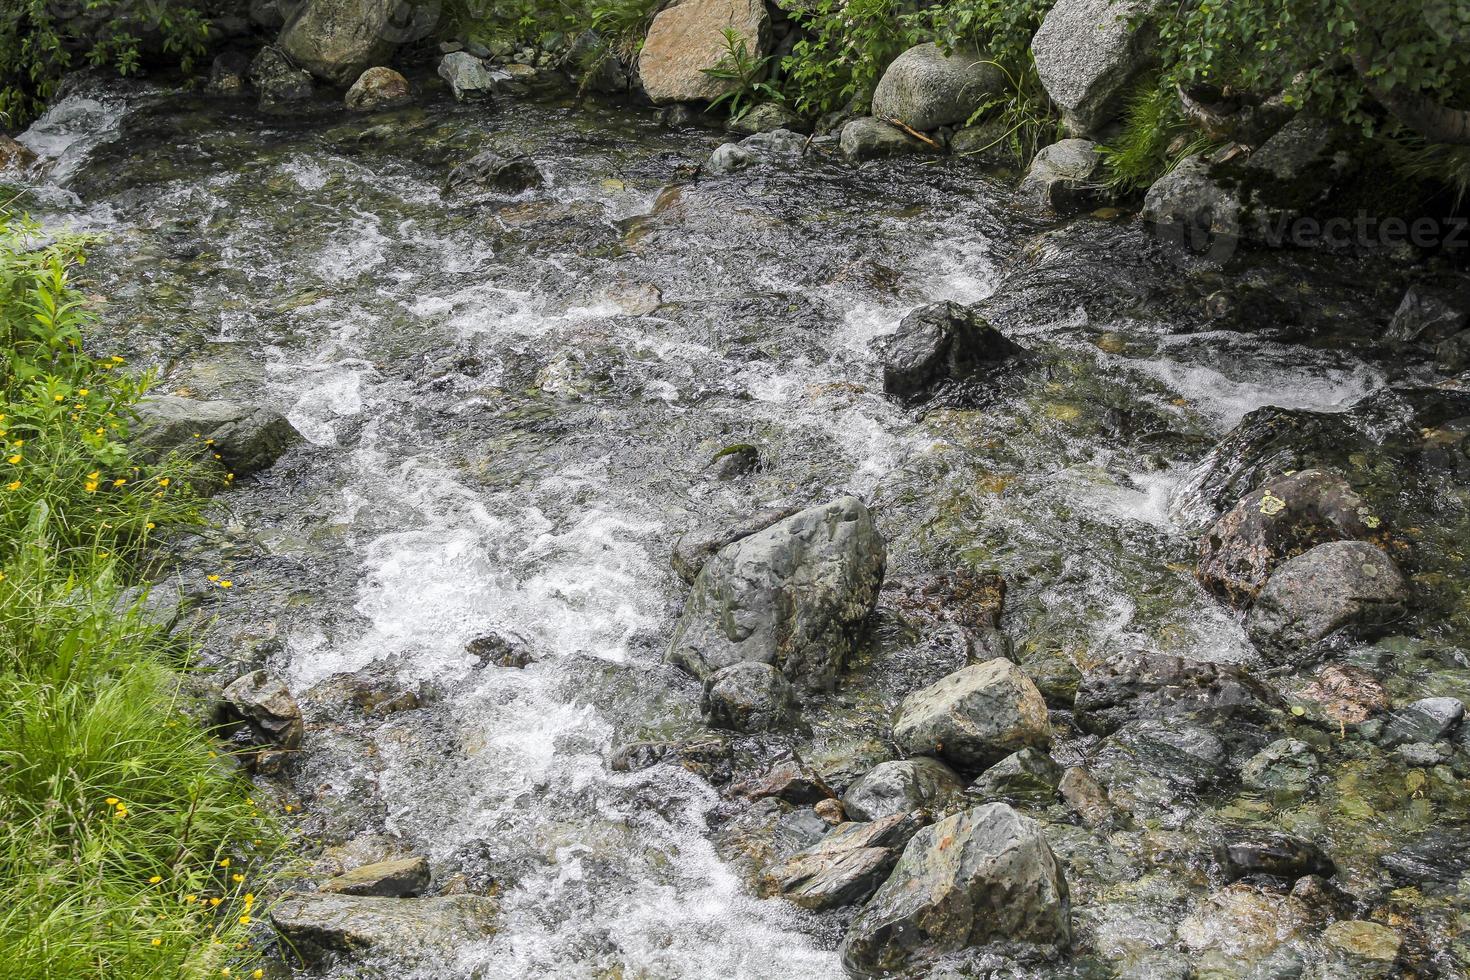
(129, 845)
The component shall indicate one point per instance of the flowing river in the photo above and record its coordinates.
(510, 404)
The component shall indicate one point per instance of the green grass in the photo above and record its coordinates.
(122, 830)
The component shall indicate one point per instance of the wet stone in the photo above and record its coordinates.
(493, 649)
(1085, 796)
(277, 80)
(319, 925)
(939, 343)
(1028, 777)
(847, 865)
(1428, 315)
(1440, 855)
(1336, 586)
(1345, 695)
(900, 787)
(792, 781)
(491, 170)
(378, 88)
(1251, 852)
(1140, 684)
(264, 704)
(708, 756)
(974, 717)
(1425, 720)
(694, 548)
(402, 878)
(1286, 766)
(247, 438)
(748, 697)
(1363, 940)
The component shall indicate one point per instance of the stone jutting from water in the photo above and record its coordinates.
(492, 170)
(1064, 176)
(1275, 522)
(974, 717)
(1087, 54)
(869, 139)
(319, 925)
(1029, 777)
(794, 595)
(337, 40)
(247, 438)
(266, 705)
(975, 878)
(378, 88)
(748, 697)
(1141, 684)
(1332, 587)
(686, 37)
(400, 878)
(695, 547)
(467, 76)
(847, 865)
(941, 342)
(926, 87)
(277, 80)
(901, 786)
(1246, 852)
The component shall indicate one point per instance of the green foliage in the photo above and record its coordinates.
(745, 72)
(118, 826)
(1304, 48)
(847, 45)
(37, 48)
(1155, 136)
(1027, 121)
(1001, 28)
(1415, 159)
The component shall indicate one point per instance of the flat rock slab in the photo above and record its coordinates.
(318, 925)
(403, 878)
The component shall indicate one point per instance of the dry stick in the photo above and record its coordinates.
(912, 132)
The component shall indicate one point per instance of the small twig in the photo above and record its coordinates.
(912, 132)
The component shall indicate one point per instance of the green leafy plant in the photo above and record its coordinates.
(746, 74)
(38, 45)
(1154, 138)
(1026, 121)
(846, 46)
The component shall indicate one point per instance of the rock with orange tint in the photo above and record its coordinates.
(687, 37)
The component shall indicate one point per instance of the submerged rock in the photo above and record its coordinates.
(1139, 684)
(378, 88)
(979, 877)
(1287, 765)
(1065, 176)
(847, 865)
(277, 80)
(901, 786)
(1426, 720)
(266, 705)
(974, 717)
(941, 342)
(867, 138)
(707, 756)
(401, 878)
(1345, 695)
(1332, 587)
(247, 438)
(1087, 53)
(1279, 520)
(1250, 852)
(318, 925)
(927, 87)
(336, 40)
(794, 595)
(686, 37)
(748, 697)
(491, 170)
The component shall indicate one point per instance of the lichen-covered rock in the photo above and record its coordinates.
(400, 878)
(247, 438)
(228, 75)
(277, 80)
(1140, 684)
(265, 704)
(319, 925)
(1286, 766)
(767, 117)
(974, 717)
(847, 865)
(794, 595)
(941, 342)
(491, 170)
(867, 138)
(1334, 586)
(926, 87)
(901, 786)
(749, 697)
(687, 37)
(1064, 176)
(1087, 53)
(1278, 521)
(337, 40)
(978, 877)
(378, 88)
(468, 77)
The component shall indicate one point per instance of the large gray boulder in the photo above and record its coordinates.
(979, 877)
(926, 88)
(749, 697)
(1065, 176)
(974, 717)
(320, 925)
(901, 786)
(847, 865)
(469, 77)
(247, 438)
(337, 40)
(1334, 586)
(1087, 53)
(794, 595)
(686, 37)
(776, 146)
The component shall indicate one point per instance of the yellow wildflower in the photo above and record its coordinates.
(112, 801)
(225, 863)
(157, 941)
(119, 482)
(13, 485)
(13, 459)
(244, 920)
(155, 879)
(237, 878)
(214, 901)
